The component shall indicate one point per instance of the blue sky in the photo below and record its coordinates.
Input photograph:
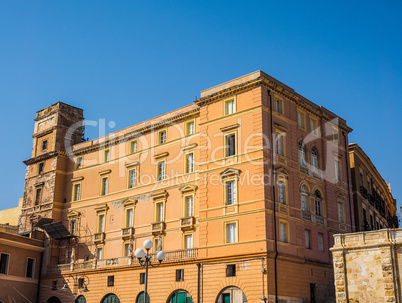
(127, 61)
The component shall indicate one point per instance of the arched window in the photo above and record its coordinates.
(80, 299)
(110, 298)
(314, 158)
(317, 202)
(281, 192)
(180, 296)
(304, 198)
(302, 153)
(231, 294)
(140, 298)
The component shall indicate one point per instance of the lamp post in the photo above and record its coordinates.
(75, 278)
(145, 261)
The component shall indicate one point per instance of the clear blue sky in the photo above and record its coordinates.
(128, 61)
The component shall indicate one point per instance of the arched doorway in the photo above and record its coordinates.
(53, 300)
(180, 296)
(140, 298)
(231, 294)
(80, 299)
(110, 298)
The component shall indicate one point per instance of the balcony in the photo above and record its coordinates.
(187, 223)
(127, 233)
(158, 228)
(99, 238)
(363, 192)
(306, 215)
(318, 220)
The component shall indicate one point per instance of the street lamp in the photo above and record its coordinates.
(145, 260)
(76, 279)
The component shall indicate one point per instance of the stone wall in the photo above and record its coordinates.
(367, 266)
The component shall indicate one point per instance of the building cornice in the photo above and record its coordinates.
(44, 157)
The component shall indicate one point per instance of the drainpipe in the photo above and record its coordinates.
(199, 283)
(274, 199)
(347, 179)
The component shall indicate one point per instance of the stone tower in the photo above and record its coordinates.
(57, 127)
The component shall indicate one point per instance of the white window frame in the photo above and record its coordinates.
(105, 186)
(279, 106)
(133, 146)
(227, 144)
(320, 240)
(188, 205)
(77, 197)
(132, 178)
(106, 155)
(190, 128)
(282, 191)
(189, 163)
(228, 235)
(185, 237)
(307, 238)
(229, 106)
(283, 231)
(162, 136)
(304, 197)
(161, 170)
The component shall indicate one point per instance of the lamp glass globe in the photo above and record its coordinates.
(160, 256)
(147, 244)
(140, 253)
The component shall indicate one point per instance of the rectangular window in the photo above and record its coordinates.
(73, 227)
(161, 171)
(335, 135)
(337, 171)
(188, 241)
(231, 192)
(142, 278)
(40, 167)
(190, 128)
(283, 232)
(320, 242)
(307, 238)
(162, 137)
(189, 163)
(81, 283)
(279, 144)
(231, 233)
(179, 275)
(361, 179)
(77, 192)
(230, 145)
(229, 107)
(314, 127)
(30, 268)
(340, 212)
(129, 217)
(105, 186)
(101, 223)
(38, 196)
(301, 120)
(78, 162)
(281, 192)
(133, 146)
(44, 145)
(100, 253)
(54, 285)
(159, 212)
(231, 270)
(131, 178)
(189, 206)
(106, 156)
(110, 281)
(4, 259)
(279, 106)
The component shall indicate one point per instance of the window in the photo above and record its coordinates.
(127, 249)
(105, 186)
(131, 178)
(189, 163)
(77, 192)
(314, 127)
(110, 281)
(317, 201)
(44, 145)
(320, 242)
(179, 275)
(30, 268)
(142, 278)
(159, 212)
(281, 192)
(302, 153)
(229, 107)
(340, 212)
(231, 270)
(304, 198)
(335, 135)
(4, 259)
(279, 144)
(307, 238)
(81, 283)
(279, 106)
(129, 217)
(78, 162)
(314, 158)
(133, 146)
(371, 222)
(100, 253)
(189, 207)
(231, 192)
(161, 170)
(162, 137)
(54, 285)
(231, 233)
(361, 179)
(301, 120)
(40, 167)
(101, 223)
(106, 155)
(190, 128)
(230, 145)
(283, 232)
(73, 227)
(188, 241)
(337, 171)
(38, 196)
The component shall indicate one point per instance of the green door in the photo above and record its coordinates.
(80, 299)
(226, 298)
(140, 298)
(111, 298)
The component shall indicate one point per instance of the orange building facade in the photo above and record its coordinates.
(243, 190)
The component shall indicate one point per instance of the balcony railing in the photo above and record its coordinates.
(158, 228)
(187, 223)
(305, 215)
(363, 192)
(127, 233)
(99, 238)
